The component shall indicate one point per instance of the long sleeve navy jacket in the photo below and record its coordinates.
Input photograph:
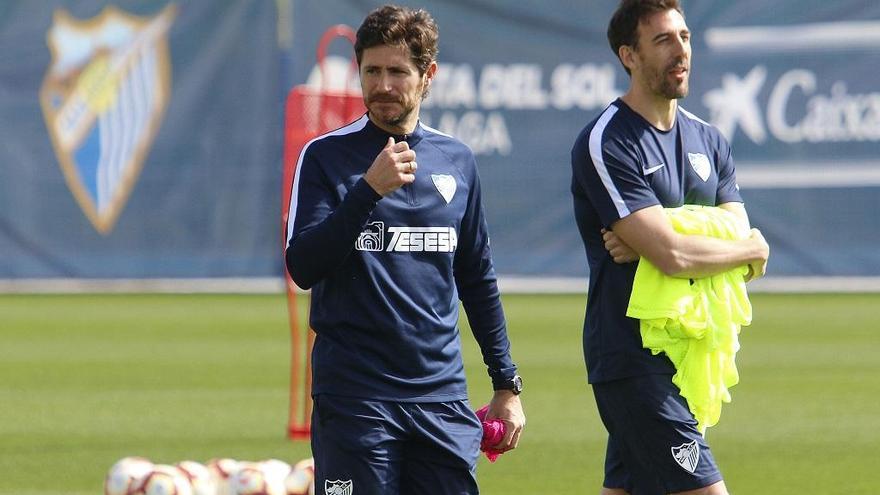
(387, 273)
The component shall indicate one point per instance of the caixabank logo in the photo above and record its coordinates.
(797, 104)
(103, 98)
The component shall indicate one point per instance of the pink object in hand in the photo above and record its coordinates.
(493, 432)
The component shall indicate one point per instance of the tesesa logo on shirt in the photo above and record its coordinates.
(372, 238)
(407, 239)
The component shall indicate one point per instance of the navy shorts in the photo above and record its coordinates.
(654, 447)
(389, 448)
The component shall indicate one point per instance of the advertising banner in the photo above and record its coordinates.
(144, 139)
(791, 85)
(139, 139)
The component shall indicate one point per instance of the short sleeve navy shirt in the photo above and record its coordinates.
(621, 164)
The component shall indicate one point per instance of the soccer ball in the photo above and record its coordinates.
(125, 475)
(252, 478)
(221, 469)
(276, 471)
(164, 480)
(199, 477)
(301, 480)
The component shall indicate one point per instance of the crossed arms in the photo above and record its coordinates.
(648, 233)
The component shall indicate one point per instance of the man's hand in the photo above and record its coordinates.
(758, 268)
(619, 250)
(506, 406)
(393, 167)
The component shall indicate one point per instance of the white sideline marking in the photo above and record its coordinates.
(821, 36)
(784, 176)
(507, 284)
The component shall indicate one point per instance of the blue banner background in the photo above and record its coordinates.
(793, 85)
(203, 203)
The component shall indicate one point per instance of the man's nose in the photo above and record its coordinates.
(680, 46)
(384, 82)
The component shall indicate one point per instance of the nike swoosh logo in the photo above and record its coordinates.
(651, 170)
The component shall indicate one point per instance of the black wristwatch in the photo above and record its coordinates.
(514, 384)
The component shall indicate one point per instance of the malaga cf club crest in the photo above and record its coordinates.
(103, 98)
(687, 455)
(338, 487)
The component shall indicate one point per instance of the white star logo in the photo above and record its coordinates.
(736, 102)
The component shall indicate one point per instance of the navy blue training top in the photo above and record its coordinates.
(387, 273)
(621, 164)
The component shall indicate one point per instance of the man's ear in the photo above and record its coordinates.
(627, 56)
(430, 73)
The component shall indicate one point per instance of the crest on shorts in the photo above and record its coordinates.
(103, 99)
(700, 164)
(338, 487)
(687, 455)
(445, 185)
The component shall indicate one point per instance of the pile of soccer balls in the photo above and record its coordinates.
(139, 476)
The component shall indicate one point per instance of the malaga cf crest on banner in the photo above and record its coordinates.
(103, 98)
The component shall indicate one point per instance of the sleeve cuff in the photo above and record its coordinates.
(502, 376)
(364, 191)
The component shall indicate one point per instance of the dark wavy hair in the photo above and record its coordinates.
(400, 26)
(624, 24)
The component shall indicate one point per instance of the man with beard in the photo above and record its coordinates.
(387, 229)
(641, 154)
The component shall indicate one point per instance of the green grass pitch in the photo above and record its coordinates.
(86, 380)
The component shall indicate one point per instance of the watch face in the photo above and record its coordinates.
(514, 385)
(517, 384)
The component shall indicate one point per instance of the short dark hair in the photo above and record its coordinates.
(624, 24)
(400, 26)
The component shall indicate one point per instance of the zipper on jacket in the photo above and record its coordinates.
(409, 189)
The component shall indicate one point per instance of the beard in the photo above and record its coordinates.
(393, 110)
(664, 86)
(390, 111)
(672, 90)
